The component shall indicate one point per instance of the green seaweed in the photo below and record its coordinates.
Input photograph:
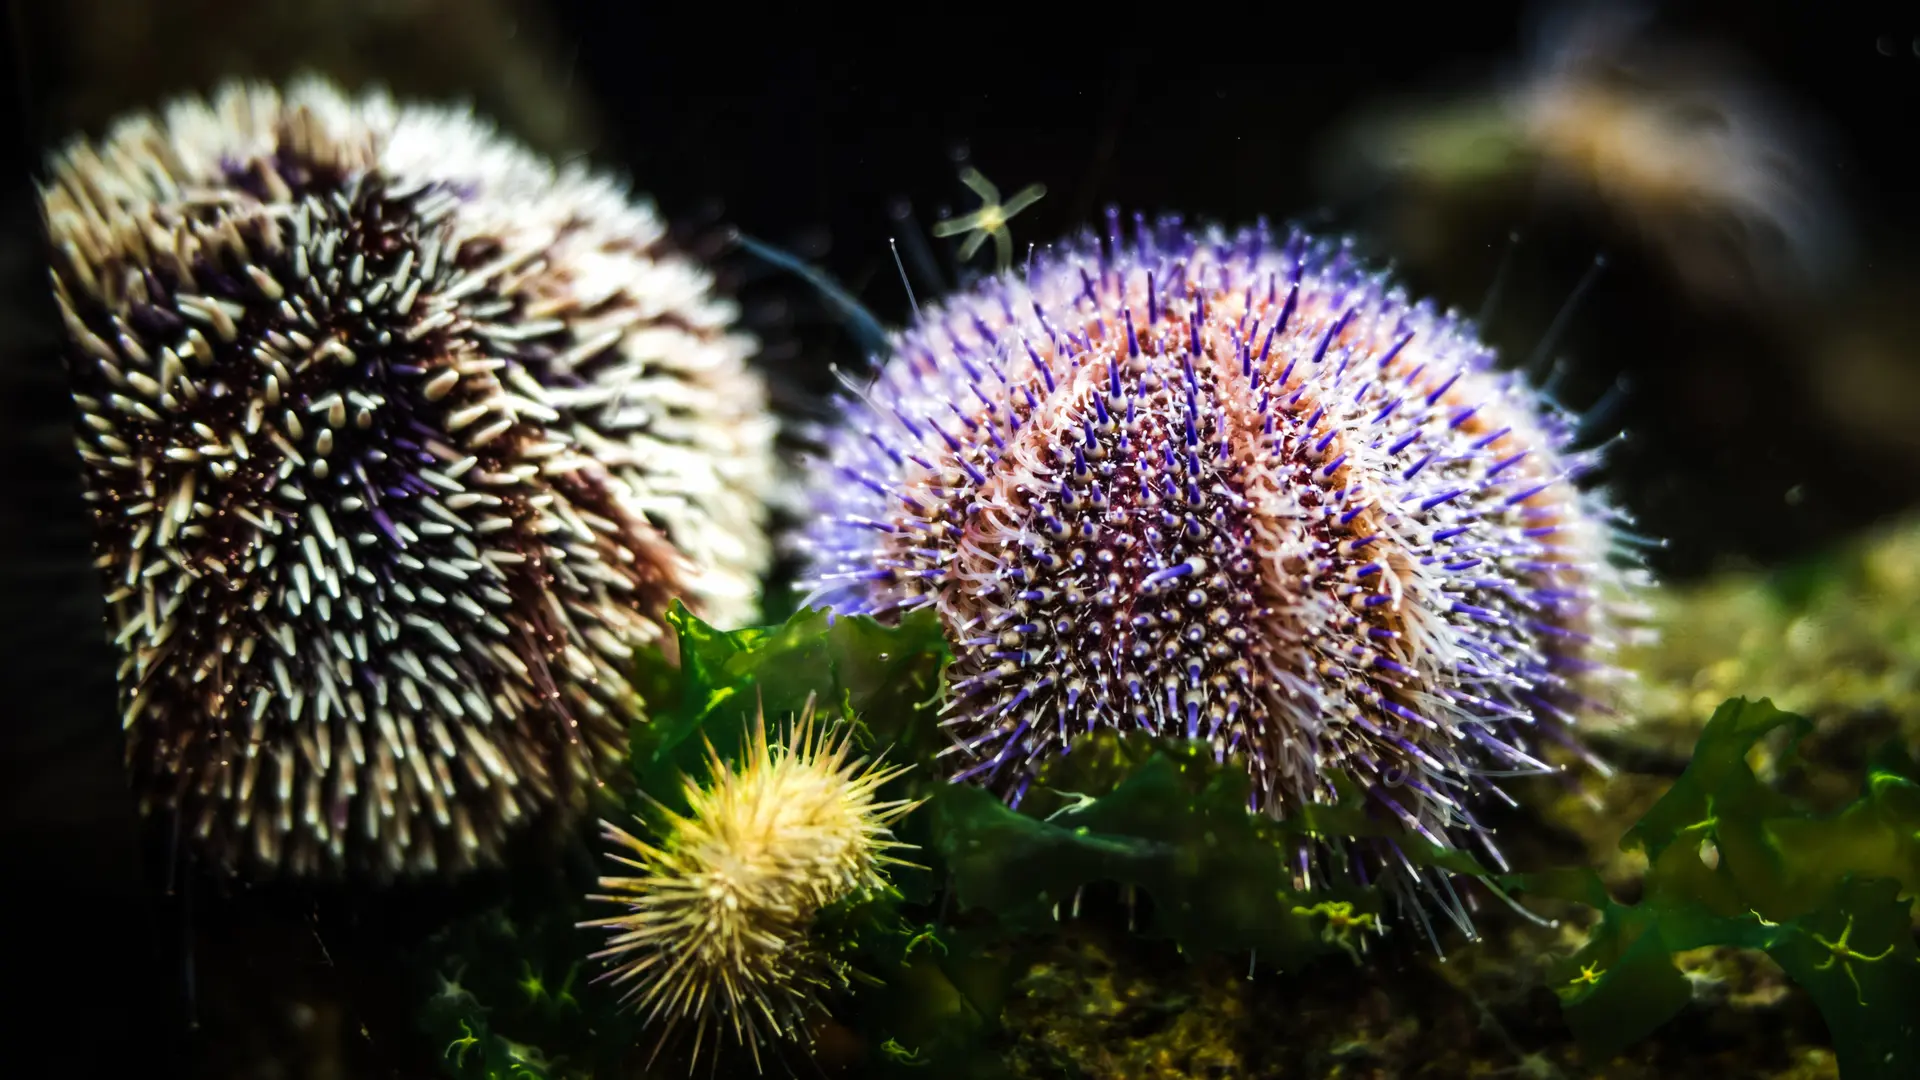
(507, 993)
(885, 680)
(1733, 862)
(1169, 822)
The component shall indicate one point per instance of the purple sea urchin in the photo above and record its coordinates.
(1233, 489)
(718, 928)
(397, 440)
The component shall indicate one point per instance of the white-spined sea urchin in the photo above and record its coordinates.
(1232, 488)
(397, 441)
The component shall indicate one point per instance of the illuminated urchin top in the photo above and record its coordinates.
(397, 440)
(718, 931)
(1233, 488)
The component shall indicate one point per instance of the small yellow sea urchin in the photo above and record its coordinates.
(718, 925)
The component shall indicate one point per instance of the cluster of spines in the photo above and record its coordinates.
(719, 931)
(1231, 490)
(374, 587)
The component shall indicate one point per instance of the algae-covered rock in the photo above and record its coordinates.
(1084, 1010)
(1836, 640)
(100, 58)
(1099, 1003)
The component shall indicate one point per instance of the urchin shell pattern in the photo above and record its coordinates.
(719, 928)
(1230, 488)
(397, 442)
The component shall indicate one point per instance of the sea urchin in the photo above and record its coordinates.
(397, 441)
(1233, 489)
(718, 931)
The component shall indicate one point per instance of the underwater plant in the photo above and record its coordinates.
(398, 440)
(1734, 861)
(718, 931)
(1233, 488)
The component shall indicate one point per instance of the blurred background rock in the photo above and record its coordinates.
(1759, 307)
(92, 60)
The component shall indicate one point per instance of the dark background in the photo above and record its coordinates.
(1156, 113)
(812, 130)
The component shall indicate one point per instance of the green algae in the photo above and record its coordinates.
(1732, 861)
(942, 969)
(506, 993)
(883, 680)
(1174, 826)
(1834, 638)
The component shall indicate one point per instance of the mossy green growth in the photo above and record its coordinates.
(1834, 637)
(1732, 861)
(506, 989)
